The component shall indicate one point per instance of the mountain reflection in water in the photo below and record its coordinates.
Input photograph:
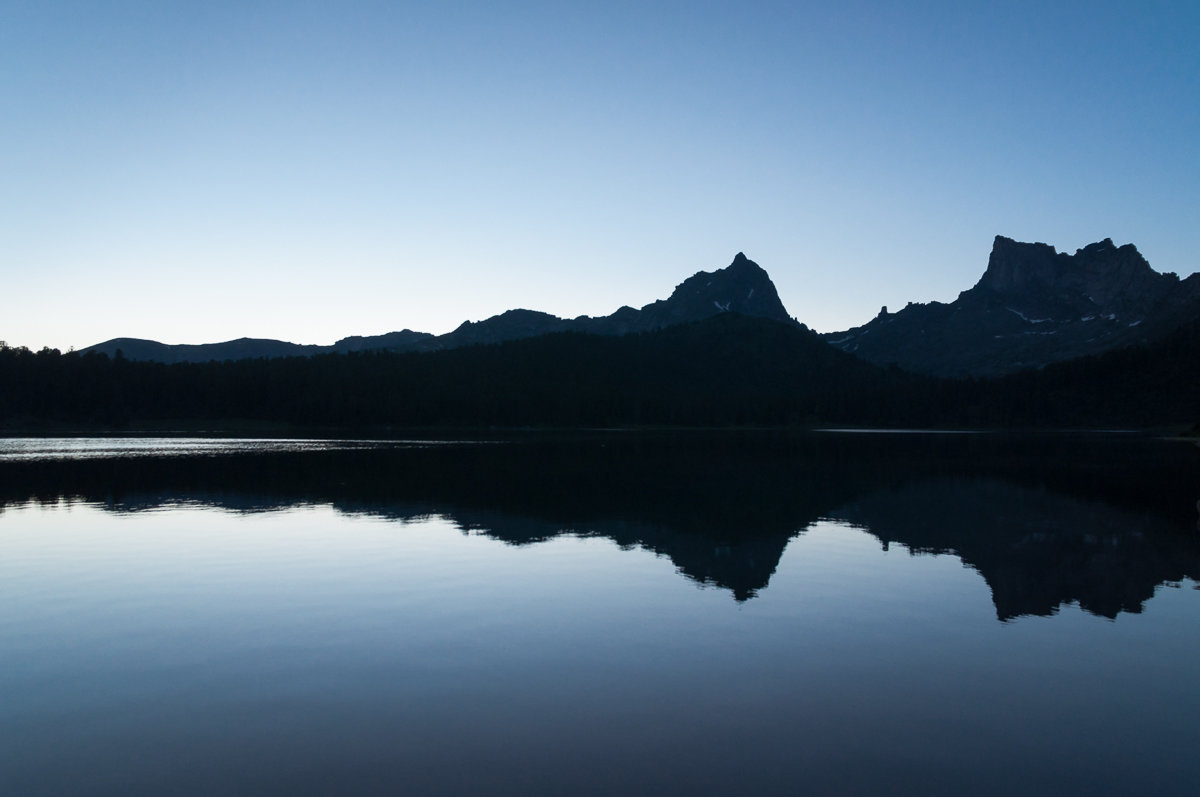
(1100, 521)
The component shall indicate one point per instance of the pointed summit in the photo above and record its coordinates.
(741, 287)
(742, 264)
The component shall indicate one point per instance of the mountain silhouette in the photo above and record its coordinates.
(1032, 306)
(742, 287)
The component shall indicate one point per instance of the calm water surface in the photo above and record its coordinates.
(710, 614)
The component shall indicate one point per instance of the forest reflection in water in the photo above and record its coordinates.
(520, 615)
(1098, 520)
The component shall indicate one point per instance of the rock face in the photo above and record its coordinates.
(1031, 307)
(1099, 277)
(741, 287)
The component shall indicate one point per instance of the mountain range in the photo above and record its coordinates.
(1032, 306)
(742, 287)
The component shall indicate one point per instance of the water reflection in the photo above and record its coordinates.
(76, 448)
(1037, 550)
(1046, 521)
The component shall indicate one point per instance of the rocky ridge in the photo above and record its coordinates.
(1032, 306)
(741, 287)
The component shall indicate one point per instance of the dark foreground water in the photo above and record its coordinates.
(704, 613)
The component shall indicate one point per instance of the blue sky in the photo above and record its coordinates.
(195, 172)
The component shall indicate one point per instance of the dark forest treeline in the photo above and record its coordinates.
(726, 371)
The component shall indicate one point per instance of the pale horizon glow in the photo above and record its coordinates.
(196, 173)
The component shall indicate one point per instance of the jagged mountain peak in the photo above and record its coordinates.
(741, 287)
(1106, 245)
(1098, 269)
(741, 273)
(1032, 306)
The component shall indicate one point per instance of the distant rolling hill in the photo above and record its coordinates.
(248, 348)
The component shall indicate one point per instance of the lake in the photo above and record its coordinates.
(702, 612)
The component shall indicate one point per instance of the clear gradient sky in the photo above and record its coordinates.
(195, 172)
